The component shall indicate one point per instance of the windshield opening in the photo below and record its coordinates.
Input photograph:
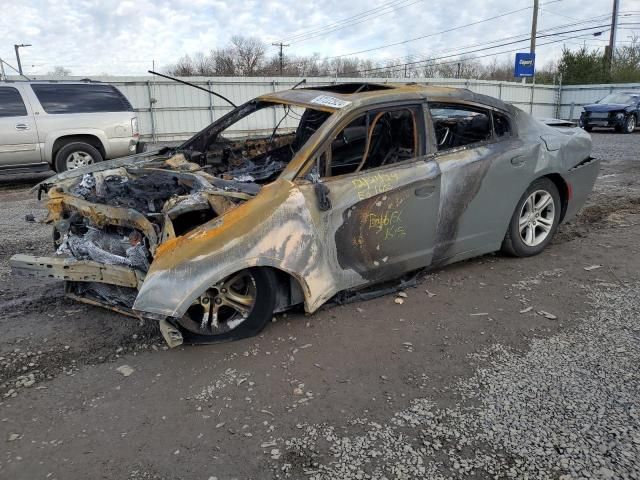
(256, 141)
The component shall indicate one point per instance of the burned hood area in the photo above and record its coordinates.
(118, 215)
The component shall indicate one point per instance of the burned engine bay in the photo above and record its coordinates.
(118, 216)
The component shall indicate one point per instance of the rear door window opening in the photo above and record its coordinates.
(459, 125)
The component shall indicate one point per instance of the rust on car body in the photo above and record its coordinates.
(305, 202)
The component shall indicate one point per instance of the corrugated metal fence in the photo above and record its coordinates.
(170, 111)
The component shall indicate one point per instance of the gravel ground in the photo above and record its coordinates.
(568, 408)
(491, 368)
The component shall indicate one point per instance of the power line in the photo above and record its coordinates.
(344, 20)
(350, 21)
(431, 34)
(476, 50)
(526, 36)
(380, 47)
(394, 69)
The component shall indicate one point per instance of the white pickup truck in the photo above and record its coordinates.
(63, 125)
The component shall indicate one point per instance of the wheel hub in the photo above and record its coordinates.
(224, 306)
(78, 159)
(536, 218)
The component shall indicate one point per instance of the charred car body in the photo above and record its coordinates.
(357, 184)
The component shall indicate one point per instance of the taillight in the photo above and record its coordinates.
(134, 127)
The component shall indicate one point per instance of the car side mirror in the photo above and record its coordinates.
(322, 194)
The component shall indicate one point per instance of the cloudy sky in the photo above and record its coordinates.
(92, 37)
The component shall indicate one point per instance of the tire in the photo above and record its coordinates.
(264, 280)
(588, 129)
(629, 124)
(514, 244)
(83, 153)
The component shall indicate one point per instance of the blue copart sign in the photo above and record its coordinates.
(525, 65)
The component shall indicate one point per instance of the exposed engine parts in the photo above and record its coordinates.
(119, 216)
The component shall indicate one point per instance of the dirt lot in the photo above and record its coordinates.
(493, 367)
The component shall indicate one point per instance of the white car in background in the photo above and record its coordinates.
(63, 125)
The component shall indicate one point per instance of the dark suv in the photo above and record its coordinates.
(619, 110)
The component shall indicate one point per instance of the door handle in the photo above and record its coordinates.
(425, 191)
(22, 126)
(519, 160)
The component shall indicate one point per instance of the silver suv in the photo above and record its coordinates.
(63, 125)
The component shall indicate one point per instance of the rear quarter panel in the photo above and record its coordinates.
(112, 129)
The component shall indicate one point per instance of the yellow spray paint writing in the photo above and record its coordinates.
(375, 184)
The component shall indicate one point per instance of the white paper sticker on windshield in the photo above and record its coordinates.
(329, 101)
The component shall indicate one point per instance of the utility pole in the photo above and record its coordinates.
(612, 35)
(534, 32)
(281, 45)
(16, 47)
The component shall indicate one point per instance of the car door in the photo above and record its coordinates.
(18, 133)
(484, 170)
(378, 211)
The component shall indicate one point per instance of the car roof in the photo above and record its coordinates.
(56, 82)
(336, 96)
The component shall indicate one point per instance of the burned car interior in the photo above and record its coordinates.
(373, 140)
(260, 156)
(456, 126)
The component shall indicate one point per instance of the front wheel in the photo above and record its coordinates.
(629, 124)
(237, 307)
(534, 221)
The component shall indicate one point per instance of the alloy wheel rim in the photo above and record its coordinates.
(78, 159)
(224, 306)
(536, 218)
(631, 124)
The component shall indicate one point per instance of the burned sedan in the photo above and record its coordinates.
(356, 184)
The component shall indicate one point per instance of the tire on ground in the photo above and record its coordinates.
(261, 314)
(513, 244)
(629, 124)
(60, 162)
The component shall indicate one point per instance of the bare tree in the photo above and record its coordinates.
(183, 68)
(249, 53)
(246, 56)
(59, 71)
(223, 62)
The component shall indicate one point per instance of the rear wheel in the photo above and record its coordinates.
(75, 155)
(237, 307)
(534, 221)
(587, 128)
